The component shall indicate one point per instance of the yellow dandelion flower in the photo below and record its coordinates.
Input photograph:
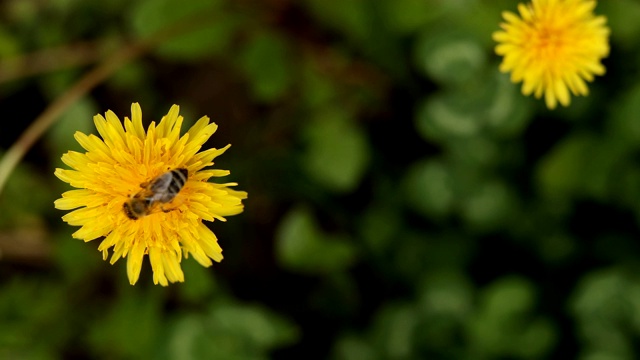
(553, 47)
(147, 193)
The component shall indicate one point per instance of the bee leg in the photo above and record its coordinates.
(168, 210)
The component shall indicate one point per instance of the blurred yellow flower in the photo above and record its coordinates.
(148, 192)
(553, 47)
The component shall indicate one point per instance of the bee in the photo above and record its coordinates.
(160, 190)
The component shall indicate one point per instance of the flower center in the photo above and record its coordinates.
(549, 43)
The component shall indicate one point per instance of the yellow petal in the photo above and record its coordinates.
(134, 262)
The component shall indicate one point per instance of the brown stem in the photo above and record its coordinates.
(17, 151)
(66, 56)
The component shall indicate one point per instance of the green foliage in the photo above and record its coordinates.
(266, 62)
(9, 44)
(348, 17)
(606, 305)
(621, 17)
(129, 76)
(622, 124)
(78, 117)
(502, 326)
(302, 246)
(393, 330)
(407, 16)
(581, 164)
(338, 153)
(351, 347)
(406, 201)
(378, 228)
(429, 188)
(29, 310)
(449, 57)
(210, 36)
(492, 107)
(25, 198)
(444, 303)
(129, 328)
(227, 331)
(74, 258)
(201, 283)
(488, 206)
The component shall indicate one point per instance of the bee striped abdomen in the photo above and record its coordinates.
(178, 179)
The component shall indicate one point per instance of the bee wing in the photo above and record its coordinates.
(160, 185)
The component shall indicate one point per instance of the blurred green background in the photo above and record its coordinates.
(405, 200)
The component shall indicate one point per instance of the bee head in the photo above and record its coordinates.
(136, 208)
(127, 211)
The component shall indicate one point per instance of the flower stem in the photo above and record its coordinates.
(17, 151)
(100, 73)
